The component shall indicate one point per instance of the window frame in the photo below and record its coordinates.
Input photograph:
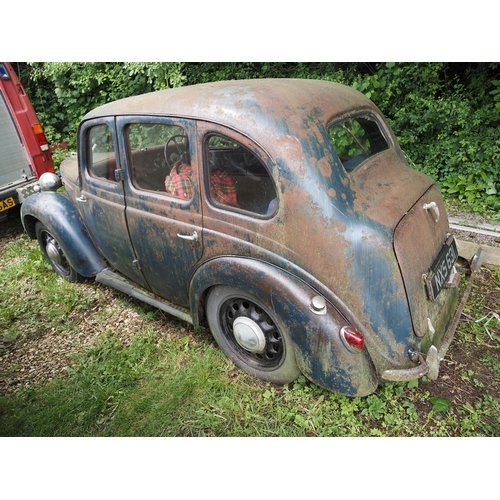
(89, 153)
(135, 171)
(226, 135)
(370, 116)
(162, 197)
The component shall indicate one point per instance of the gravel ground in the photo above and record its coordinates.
(481, 239)
(471, 219)
(41, 355)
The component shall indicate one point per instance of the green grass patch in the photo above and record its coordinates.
(142, 373)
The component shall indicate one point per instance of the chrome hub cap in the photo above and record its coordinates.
(249, 335)
(53, 252)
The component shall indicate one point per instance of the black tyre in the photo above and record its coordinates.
(53, 253)
(251, 335)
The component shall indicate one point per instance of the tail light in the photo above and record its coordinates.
(352, 339)
(42, 141)
(4, 73)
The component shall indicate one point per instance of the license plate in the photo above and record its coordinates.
(7, 203)
(440, 270)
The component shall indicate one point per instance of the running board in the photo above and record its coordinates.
(122, 284)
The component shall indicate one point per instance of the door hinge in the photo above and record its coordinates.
(119, 174)
(136, 265)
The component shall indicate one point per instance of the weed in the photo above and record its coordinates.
(492, 362)
(375, 407)
(439, 404)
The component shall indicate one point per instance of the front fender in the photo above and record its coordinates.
(320, 353)
(59, 215)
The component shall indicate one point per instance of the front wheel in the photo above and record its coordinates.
(251, 335)
(53, 253)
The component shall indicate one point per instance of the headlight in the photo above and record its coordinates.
(49, 182)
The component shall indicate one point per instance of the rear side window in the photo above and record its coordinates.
(355, 139)
(237, 178)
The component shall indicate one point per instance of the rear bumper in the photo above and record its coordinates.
(430, 365)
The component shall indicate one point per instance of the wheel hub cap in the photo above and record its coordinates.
(53, 252)
(249, 335)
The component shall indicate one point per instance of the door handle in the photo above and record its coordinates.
(189, 237)
(433, 206)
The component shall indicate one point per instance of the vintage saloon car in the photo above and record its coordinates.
(282, 213)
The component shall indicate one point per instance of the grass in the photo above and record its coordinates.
(139, 372)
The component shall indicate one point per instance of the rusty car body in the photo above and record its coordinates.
(281, 212)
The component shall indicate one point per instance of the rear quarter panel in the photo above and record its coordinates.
(320, 354)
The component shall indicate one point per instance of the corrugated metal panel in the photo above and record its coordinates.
(14, 164)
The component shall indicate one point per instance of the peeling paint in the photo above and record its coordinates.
(359, 239)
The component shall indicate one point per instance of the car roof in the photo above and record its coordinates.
(255, 107)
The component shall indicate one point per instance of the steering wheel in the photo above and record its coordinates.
(181, 154)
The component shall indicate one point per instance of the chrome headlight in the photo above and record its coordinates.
(49, 182)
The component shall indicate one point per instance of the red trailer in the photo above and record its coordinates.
(24, 151)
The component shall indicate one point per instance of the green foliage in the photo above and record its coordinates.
(447, 120)
(445, 115)
(64, 92)
(439, 404)
(349, 139)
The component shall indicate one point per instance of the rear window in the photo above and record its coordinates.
(356, 139)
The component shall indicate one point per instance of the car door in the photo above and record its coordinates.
(241, 202)
(162, 201)
(102, 201)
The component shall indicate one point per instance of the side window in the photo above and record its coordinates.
(356, 139)
(237, 178)
(101, 154)
(159, 159)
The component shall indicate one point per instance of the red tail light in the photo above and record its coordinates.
(352, 339)
(42, 141)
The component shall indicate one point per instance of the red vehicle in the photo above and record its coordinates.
(24, 151)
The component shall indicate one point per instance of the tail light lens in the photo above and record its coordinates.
(4, 74)
(42, 141)
(352, 339)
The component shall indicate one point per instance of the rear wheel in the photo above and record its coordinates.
(53, 253)
(252, 336)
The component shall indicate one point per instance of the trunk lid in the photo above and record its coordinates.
(418, 240)
(410, 205)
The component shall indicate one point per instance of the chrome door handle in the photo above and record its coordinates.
(189, 237)
(433, 206)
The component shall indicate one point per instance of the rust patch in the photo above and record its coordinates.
(325, 167)
(385, 190)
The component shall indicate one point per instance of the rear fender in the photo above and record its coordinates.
(319, 350)
(57, 212)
